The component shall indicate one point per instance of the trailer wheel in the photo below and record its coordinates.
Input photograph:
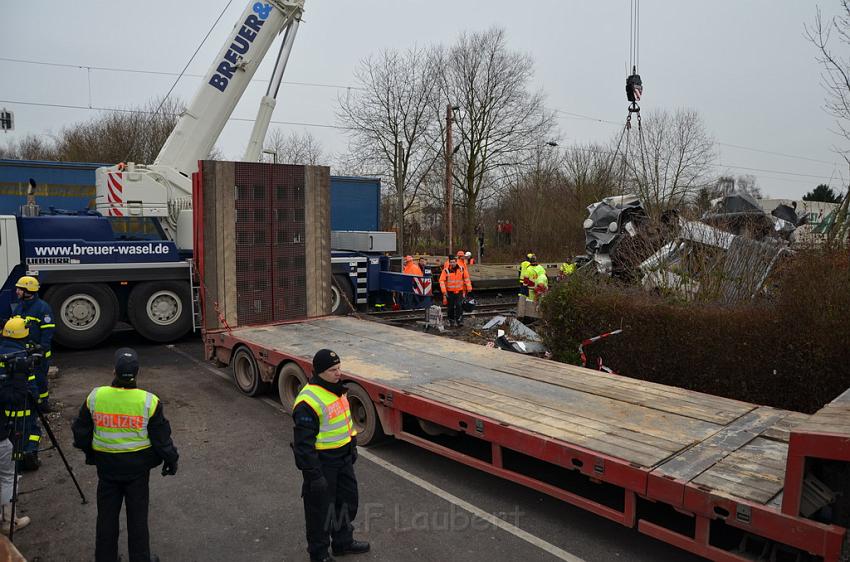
(161, 311)
(85, 313)
(365, 417)
(246, 374)
(289, 383)
(342, 295)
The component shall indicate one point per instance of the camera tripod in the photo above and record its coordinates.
(19, 432)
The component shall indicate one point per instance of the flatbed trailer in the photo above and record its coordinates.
(701, 472)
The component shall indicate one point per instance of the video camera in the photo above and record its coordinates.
(21, 362)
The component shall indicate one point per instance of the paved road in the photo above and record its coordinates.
(236, 496)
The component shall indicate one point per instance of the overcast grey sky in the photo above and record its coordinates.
(744, 66)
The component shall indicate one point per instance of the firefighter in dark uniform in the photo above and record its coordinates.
(325, 448)
(17, 383)
(15, 341)
(41, 325)
(123, 431)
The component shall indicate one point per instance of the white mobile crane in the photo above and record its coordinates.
(92, 278)
(163, 190)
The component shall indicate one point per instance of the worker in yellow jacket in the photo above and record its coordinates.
(523, 275)
(536, 279)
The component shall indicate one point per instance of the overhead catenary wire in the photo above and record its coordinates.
(340, 127)
(719, 166)
(176, 80)
(143, 111)
(164, 73)
(561, 113)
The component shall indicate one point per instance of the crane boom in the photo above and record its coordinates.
(163, 190)
(201, 124)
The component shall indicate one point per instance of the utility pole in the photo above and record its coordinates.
(449, 153)
(399, 189)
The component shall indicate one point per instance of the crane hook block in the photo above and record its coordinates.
(634, 88)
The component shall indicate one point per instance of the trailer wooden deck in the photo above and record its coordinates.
(721, 468)
(731, 447)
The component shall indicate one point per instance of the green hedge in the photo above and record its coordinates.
(790, 349)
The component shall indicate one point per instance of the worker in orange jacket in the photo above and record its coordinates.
(455, 285)
(411, 267)
(461, 260)
(409, 300)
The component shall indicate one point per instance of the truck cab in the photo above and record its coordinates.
(93, 277)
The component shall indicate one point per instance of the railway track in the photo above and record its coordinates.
(484, 309)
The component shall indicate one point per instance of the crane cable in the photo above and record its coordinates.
(634, 35)
(634, 90)
(182, 72)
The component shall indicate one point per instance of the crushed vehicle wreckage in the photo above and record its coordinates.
(729, 252)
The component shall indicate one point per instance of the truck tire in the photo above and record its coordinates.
(161, 311)
(342, 295)
(85, 313)
(289, 383)
(364, 415)
(246, 374)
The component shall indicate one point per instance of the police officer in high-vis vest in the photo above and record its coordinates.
(41, 326)
(325, 448)
(123, 431)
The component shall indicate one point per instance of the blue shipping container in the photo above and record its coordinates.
(355, 201)
(62, 185)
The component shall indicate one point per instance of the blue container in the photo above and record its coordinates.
(355, 203)
(61, 185)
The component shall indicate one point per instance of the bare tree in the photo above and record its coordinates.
(548, 202)
(672, 161)
(30, 147)
(836, 80)
(836, 68)
(133, 134)
(501, 123)
(393, 125)
(295, 148)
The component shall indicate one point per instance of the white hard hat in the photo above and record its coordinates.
(468, 254)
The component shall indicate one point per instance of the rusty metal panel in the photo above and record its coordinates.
(259, 224)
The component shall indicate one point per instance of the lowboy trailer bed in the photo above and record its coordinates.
(701, 472)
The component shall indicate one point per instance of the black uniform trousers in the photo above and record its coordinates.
(329, 514)
(111, 492)
(455, 306)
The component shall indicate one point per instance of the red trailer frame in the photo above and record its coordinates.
(704, 508)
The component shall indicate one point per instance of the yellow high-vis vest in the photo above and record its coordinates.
(121, 417)
(335, 424)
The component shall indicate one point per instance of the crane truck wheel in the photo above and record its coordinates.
(342, 295)
(365, 417)
(161, 311)
(246, 374)
(86, 313)
(289, 383)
